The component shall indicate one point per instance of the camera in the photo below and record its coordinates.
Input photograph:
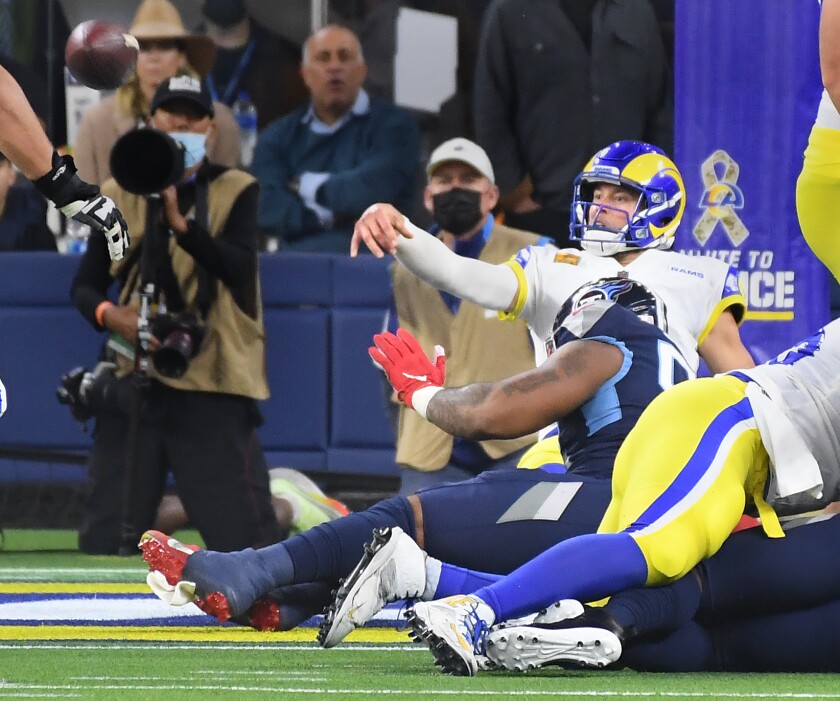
(146, 161)
(88, 393)
(180, 338)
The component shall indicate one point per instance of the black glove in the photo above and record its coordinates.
(82, 201)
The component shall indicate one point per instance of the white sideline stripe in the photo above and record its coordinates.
(121, 607)
(414, 692)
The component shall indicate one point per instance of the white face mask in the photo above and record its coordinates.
(195, 146)
(605, 243)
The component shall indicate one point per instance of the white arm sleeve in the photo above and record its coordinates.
(485, 284)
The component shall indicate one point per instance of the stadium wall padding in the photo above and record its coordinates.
(326, 411)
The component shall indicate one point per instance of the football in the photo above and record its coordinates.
(100, 54)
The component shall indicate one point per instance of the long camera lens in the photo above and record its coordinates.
(146, 161)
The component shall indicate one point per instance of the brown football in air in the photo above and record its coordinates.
(100, 54)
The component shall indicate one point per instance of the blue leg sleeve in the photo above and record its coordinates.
(586, 568)
(458, 580)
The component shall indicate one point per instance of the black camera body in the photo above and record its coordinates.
(180, 337)
(92, 392)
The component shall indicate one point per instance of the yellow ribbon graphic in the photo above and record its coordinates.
(721, 198)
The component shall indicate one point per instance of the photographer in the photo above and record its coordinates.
(197, 420)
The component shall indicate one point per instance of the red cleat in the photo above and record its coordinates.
(167, 558)
(165, 555)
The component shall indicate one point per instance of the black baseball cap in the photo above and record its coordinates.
(185, 88)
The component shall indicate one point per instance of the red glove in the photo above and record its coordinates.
(406, 365)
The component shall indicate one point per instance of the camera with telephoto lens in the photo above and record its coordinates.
(92, 392)
(180, 338)
(146, 161)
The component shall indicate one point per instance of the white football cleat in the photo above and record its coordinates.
(559, 611)
(454, 629)
(392, 568)
(528, 647)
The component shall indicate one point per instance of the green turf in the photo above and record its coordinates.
(34, 540)
(148, 672)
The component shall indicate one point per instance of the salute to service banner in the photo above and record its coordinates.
(747, 89)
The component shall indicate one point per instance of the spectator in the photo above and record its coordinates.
(23, 214)
(201, 425)
(557, 79)
(252, 59)
(320, 167)
(460, 195)
(166, 49)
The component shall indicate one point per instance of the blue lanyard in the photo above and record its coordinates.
(231, 89)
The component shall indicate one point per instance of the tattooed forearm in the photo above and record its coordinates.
(529, 382)
(453, 410)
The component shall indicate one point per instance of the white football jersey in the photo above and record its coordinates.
(804, 383)
(695, 290)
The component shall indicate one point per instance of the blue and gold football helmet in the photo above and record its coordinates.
(645, 169)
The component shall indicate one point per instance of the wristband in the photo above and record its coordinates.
(421, 398)
(100, 312)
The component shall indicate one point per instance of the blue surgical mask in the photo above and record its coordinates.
(194, 146)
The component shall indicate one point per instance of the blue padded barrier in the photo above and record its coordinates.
(297, 362)
(37, 346)
(362, 461)
(361, 282)
(36, 279)
(326, 411)
(357, 408)
(289, 280)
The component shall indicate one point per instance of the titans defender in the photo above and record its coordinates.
(771, 430)
(607, 367)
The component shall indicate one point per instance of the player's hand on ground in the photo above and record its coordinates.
(379, 228)
(405, 364)
(84, 203)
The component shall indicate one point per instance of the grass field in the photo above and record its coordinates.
(80, 627)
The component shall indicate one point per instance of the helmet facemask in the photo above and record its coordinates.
(598, 237)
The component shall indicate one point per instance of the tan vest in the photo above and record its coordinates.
(231, 359)
(479, 348)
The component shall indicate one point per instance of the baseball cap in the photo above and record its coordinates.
(184, 87)
(464, 151)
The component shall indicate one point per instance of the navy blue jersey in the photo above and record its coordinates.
(591, 435)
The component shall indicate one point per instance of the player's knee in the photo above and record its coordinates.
(673, 556)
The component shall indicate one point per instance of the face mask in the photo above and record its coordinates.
(457, 210)
(599, 243)
(194, 146)
(224, 13)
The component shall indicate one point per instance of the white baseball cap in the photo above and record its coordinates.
(463, 151)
